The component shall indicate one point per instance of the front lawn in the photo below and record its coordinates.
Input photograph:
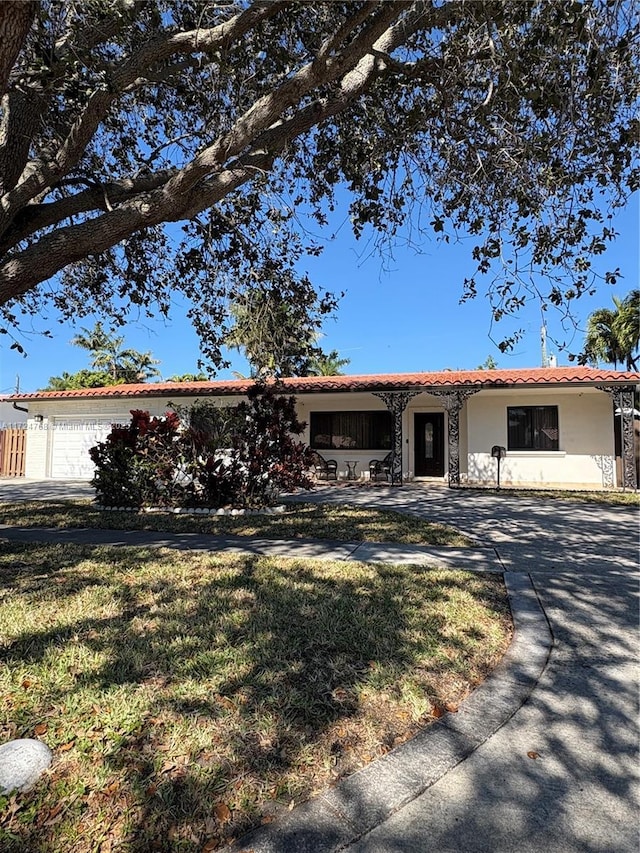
(312, 521)
(189, 697)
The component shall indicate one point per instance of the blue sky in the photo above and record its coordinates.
(402, 316)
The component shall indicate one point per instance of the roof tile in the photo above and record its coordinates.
(376, 382)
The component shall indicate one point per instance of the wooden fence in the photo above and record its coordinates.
(13, 443)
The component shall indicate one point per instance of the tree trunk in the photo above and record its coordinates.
(16, 18)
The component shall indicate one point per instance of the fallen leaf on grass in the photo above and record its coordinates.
(41, 729)
(437, 712)
(47, 817)
(222, 812)
(533, 754)
(209, 846)
(65, 747)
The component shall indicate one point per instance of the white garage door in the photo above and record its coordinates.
(70, 445)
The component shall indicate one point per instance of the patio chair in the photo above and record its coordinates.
(379, 468)
(324, 469)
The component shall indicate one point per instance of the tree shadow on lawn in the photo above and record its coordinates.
(199, 689)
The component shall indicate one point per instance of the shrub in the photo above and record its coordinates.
(271, 459)
(136, 464)
(241, 456)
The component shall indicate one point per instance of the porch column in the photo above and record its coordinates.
(396, 403)
(622, 398)
(453, 401)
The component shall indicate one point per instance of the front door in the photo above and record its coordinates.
(429, 444)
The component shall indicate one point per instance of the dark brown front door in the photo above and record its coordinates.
(429, 444)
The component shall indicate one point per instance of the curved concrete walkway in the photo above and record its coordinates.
(544, 755)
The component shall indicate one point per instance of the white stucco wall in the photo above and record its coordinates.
(585, 457)
(586, 450)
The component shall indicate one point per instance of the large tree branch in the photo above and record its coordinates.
(96, 197)
(55, 251)
(258, 118)
(82, 43)
(38, 176)
(37, 216)
(19, 121)
(268, 109)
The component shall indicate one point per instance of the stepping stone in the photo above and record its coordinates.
(22, 763)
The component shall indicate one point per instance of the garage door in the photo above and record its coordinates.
(70, 443)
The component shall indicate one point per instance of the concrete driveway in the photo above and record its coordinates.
(21, 489)
(580, 791)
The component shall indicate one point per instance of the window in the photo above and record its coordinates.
(533, 427)
(351, 430)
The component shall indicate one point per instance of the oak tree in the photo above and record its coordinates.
(512, 121)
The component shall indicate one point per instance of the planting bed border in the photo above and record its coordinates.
(220, 511)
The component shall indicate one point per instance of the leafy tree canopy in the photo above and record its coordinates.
(111, 363)
(488, 364)
(84, 378)
(512, 121)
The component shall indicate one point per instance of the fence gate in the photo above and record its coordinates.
(12, 452)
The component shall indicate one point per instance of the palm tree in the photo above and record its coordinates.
(613, 335)
(122, 365)
(327, 364)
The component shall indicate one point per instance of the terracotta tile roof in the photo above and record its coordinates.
(381, 382)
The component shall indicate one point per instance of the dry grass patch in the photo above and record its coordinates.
(189, 697)
(312, 521)
(625, 499)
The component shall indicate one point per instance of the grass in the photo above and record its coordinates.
(577, 496)
(345, 523)
(188, 698)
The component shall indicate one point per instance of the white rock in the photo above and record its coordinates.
(22, 763)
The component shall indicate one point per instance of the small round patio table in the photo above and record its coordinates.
(351, 468)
